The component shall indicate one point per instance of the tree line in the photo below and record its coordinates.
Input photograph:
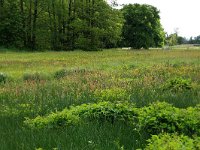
(77, 24)
(175, 39)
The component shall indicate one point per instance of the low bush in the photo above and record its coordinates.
(60, 74)
(103, 111)
(106, 111)
(63, 72)
(154, 119)
(54, 120)
(34, 77)
(163, 117)
(173, 142)
(178, 84)
(3, 77)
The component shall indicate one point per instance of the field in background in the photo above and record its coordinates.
(41, 83)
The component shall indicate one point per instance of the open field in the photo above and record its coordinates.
(37, 84)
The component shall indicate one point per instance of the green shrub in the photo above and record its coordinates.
(178, 84)
(162, 117)
(106, 111)
(54, 120)
(103, 111)
(34, 77)
(154, 119)
(60, 74)
(3, 77)
(172, 142)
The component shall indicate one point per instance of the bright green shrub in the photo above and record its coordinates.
(154, 119)
(178, 84)
(159, 117)
(54, 120)
(3, 77)
(172, 142)
(106, 111)
(162, 117)
(103, 111)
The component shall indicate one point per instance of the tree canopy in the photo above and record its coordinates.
(78, 24)
(142, 27)
(59, 24)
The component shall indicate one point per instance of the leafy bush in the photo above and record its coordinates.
(162, 117)
(106, 111)
(60, 74)
(154, 119)
(178, 84)
(34, 77)
(54, 120)
(3, 77)
(103, 111)
(172, 142)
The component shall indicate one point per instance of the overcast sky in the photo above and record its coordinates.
(181, 14)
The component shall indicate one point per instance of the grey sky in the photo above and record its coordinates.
(182, 14)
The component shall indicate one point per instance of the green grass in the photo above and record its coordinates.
(110, 75)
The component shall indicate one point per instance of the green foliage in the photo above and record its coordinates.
(106, 111)
(59, 24)
(54, 120)
(178, 84)
(173, 142)
(103, 111)
(154, 119)
(163, 117)
(142, 27)
(3, 77)
(11, 31)
(172, 39)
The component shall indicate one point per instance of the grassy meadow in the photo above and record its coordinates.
(42, 83)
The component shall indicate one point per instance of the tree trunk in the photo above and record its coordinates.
(69, 33)
(35, 15)
(54, 25)
(63, 17)
(1, 7)
(23, 21)
(51, 27)
(29, 26)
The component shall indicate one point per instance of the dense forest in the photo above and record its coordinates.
(78, 24)
(59, 24)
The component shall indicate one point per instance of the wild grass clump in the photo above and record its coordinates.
(173, 142)
(37, 77)
(3, 77)
(64, 72)
(61, 74)
(112, 94)
(178, 84)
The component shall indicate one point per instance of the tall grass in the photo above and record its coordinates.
(111, 75)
